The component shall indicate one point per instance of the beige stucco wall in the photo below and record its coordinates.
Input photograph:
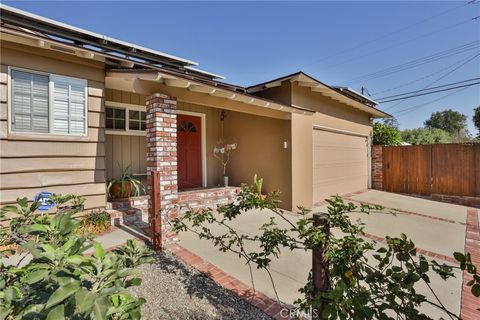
(280, 93)
(302, 161)
(260, 151)
(329, 113)
(61, 164)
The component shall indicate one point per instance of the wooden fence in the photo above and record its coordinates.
(449, 169)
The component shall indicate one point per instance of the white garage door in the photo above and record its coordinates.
(340, 163)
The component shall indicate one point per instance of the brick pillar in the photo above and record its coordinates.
(162, 157)
(377, 167)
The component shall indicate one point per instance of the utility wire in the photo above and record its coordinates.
(417, 62)
(435, 81)
(403, 112)
(421, 90)
(432, 92)
(465, 61)
(364, 43)
(400, 43)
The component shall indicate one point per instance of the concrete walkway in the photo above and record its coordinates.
(436, 228)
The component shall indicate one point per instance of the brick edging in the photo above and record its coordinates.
(243, 291)
(470, 303)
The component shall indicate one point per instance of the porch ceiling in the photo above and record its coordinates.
(149, 82)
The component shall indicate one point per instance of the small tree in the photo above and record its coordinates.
(476, 119)
(386, 135)
(366, 280)
(425, 136)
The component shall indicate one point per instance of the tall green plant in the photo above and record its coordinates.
(384, 287)
(62, 280)
(386, 135)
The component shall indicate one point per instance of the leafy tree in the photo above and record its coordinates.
(386, 135)
(61, 280)
(451, 121)
(391, 122)
(476, 119)
(365, 280)
(425, 136)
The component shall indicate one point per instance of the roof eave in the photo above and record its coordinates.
(315, 85)
(179, 81)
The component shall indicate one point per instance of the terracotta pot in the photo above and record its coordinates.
(116, 190)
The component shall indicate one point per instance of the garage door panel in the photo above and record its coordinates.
(340, 164)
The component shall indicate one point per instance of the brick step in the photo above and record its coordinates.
(211, 202)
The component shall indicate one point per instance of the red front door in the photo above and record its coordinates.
(189, 151)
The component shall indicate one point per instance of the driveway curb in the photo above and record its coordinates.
(470, 303)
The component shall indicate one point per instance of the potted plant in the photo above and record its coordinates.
(222, 152)
(124, 186)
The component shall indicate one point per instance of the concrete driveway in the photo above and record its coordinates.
(437, 229)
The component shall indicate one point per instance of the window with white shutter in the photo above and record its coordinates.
(69, 111)
(48, 103)
(29, 102)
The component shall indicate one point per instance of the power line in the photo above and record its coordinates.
(465, 61)
(403, 112)
(435, 81)
(437, 87)
(364, 43)
(417, 62)
(432, 92)
(400, 43)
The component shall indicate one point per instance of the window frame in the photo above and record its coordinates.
(114, 118)
(51, 100)
(127, 107)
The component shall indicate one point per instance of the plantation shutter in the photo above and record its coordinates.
(69, 105)
(29, 102)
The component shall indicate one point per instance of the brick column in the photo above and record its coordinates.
(162, 157)
(377, 167)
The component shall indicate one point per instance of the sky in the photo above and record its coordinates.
(346, 43)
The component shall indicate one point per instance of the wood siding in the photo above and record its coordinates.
(123, 151)
(32, 163)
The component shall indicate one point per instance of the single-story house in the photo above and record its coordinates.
(78, 106)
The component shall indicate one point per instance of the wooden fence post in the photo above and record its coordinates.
(155, 223)
(320, 278)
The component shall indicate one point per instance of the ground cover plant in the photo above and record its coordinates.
(95, 222)
(55, 276)
(380, 287)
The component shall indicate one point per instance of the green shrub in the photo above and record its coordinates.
(386, 135)
(95, 222)
(63, 280)
(425, 136)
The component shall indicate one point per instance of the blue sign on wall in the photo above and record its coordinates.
(45, 202)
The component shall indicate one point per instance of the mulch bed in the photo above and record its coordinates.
(174, 290)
